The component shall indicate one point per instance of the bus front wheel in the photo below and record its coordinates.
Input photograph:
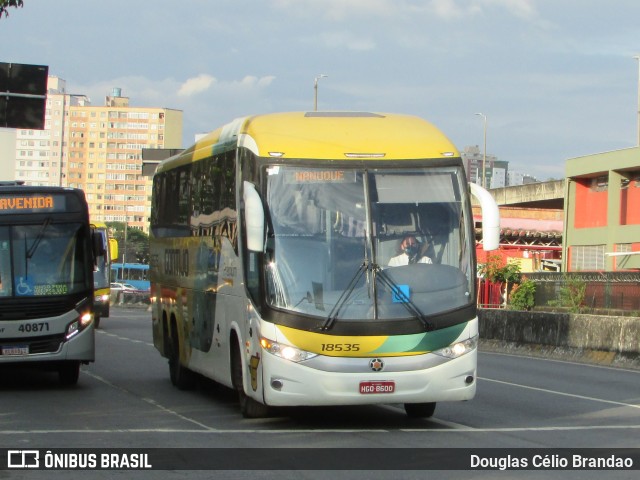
(68, 373)
(420, 410)
(248, 406)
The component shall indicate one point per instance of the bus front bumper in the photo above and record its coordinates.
(46, 348)
(293, 384)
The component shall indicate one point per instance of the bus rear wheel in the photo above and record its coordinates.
(420, 410)
(248, 406)
(181, 377)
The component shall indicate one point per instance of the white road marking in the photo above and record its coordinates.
(126, 339)
(564, 394)
(148, 400)
(209, 431)
(557, 360)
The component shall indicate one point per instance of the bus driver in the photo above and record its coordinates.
(411, 252)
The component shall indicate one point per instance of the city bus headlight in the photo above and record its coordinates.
(287, 352)
(101, 298)
(78, 325)
(458, 349)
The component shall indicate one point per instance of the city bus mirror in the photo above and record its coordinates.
(113, 248)
(254, 218)
(490, 217)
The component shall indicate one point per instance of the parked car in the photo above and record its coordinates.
(124, 287)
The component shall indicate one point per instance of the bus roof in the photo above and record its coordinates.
(326, 135)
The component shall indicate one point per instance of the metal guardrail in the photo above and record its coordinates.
(120, 297)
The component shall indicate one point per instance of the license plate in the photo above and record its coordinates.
(381, 386)
(15, 350)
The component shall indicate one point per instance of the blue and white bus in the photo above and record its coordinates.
(135, 274)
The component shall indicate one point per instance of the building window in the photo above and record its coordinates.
(586, 258)
(599, 184)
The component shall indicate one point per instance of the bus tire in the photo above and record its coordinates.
(249, 407)
(96, 321)
(181, 377)
(68, 373)
(420, 410)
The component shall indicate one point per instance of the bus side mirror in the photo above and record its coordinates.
(113, 248)
(254, 218)
(490, 217)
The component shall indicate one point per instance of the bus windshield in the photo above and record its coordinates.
(362, 244)
(42, 260)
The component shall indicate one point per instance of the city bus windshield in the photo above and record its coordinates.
(368, 244)
(42, 260)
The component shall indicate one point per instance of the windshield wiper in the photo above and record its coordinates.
(379, 273)
(344, 296)
(38, 239)
(403, 298)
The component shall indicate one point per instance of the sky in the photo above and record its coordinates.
(556, 79)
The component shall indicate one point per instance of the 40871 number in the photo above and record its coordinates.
(34, 327)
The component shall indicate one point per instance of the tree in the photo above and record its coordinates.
(135, 247)
(4, 4)
(497, 270)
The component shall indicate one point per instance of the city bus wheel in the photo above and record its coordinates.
(181, 377)
(420, 410)
(248, 406)
(96, 321)
(68, 373)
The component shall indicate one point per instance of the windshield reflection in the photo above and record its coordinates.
(368, 244)
(41, 260)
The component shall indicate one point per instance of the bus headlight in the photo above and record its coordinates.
(101, 298)
(287, 352)
(78, 325)
(458, 349)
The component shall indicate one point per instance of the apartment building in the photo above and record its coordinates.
(97, 149)
(475, 163)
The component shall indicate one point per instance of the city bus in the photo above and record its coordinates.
(102, 271)
(271, 241)
(47, 256)
(135, 274)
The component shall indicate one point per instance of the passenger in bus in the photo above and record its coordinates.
(411, 251)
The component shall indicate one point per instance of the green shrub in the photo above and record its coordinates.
(572, 294)
(523, 296)
(496, 270)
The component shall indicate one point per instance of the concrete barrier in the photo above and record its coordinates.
(614, 337)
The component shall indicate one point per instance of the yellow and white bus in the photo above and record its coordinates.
(102, 271)
(271, 240)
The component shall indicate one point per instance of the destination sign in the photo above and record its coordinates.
(321, 176)
(32, 203)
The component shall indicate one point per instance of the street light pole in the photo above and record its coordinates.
(637, 57)
(484, 155)
(315, 91)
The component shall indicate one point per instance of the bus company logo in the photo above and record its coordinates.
(376, 364)
(23, 459)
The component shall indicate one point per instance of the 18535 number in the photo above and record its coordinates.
(340, 347)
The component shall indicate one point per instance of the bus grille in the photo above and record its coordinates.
(50, 344)
(41, 309)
